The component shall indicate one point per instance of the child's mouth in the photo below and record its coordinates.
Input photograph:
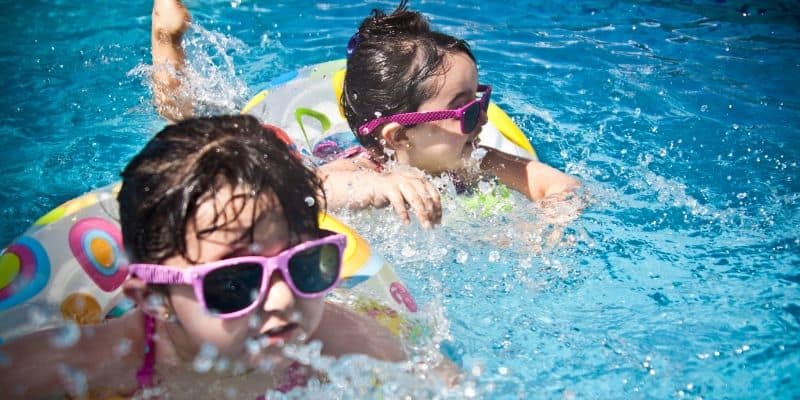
(281, 334)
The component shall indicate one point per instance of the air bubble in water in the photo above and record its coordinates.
(310, 201)
(66, 336)
(704, 108)
(741, 196)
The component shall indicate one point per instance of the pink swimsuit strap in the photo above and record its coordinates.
(360, 151)
(145, 373)
(295, 375)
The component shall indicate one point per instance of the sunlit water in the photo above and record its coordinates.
(680, 278)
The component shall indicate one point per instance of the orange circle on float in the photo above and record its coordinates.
(102, 251)
(81, 308)
(10, 265)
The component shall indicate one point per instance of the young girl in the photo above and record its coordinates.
(346, 185)
(411, 96)
(228, 263)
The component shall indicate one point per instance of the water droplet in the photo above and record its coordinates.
(462, 257)
(478, 154)
(741, 196)
(494, 256)
(123, 347)
(503, 371)
(477, 370)
(254, 322)
(408, 251)
(66, 336)
(296, 316)
(378, 114)
(74, 379)
(704, 108)
(310, 201)
(222, 365)
(253, 346)
(485, 187)
(205, 358)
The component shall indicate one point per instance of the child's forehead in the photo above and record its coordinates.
(236, 210)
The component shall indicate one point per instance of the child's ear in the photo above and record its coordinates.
(394, 136)
(149, 301)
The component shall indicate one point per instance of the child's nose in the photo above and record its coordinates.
(279, 295)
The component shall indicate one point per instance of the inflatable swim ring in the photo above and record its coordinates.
(70, 265)
(305, 103)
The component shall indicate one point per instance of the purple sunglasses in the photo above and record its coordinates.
(469, 115)
(233, 287)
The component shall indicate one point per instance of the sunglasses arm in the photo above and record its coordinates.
(160, 274)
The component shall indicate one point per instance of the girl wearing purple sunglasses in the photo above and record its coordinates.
(228, 263)
(411, 95)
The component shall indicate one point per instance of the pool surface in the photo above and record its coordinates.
(676, 276)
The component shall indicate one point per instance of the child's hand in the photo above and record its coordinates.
(170, 19)
(408, 187)
(544, 180)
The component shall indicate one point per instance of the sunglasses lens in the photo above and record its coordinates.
(469, 120)
(315, 269)
(232, 288)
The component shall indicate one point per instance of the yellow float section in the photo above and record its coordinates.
(356, 253)
(496, 115)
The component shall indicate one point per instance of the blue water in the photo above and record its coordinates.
(679, 279)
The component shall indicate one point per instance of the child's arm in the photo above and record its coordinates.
(534, 179)
(43, 364)
(170, 21)
(343, 331)
(348, 184)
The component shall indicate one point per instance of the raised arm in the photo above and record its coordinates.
(534, 179)
(170, 21)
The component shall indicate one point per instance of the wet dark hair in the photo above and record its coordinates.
(189, 162)
(387, 71)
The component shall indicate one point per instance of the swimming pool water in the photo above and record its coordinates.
(680, 278)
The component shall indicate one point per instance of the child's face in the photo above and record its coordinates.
(440, 146)
(282, 317)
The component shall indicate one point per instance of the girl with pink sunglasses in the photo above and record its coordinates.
(411, 96)
(228, 264)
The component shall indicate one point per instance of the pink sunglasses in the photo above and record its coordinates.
(469, 115)
(233, 287)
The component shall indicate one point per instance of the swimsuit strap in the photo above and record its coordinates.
(362, 152)
(295, 376)
(145, 373)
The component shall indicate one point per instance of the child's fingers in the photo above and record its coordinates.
(417, 196)
(435, 200)
(398, 202)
